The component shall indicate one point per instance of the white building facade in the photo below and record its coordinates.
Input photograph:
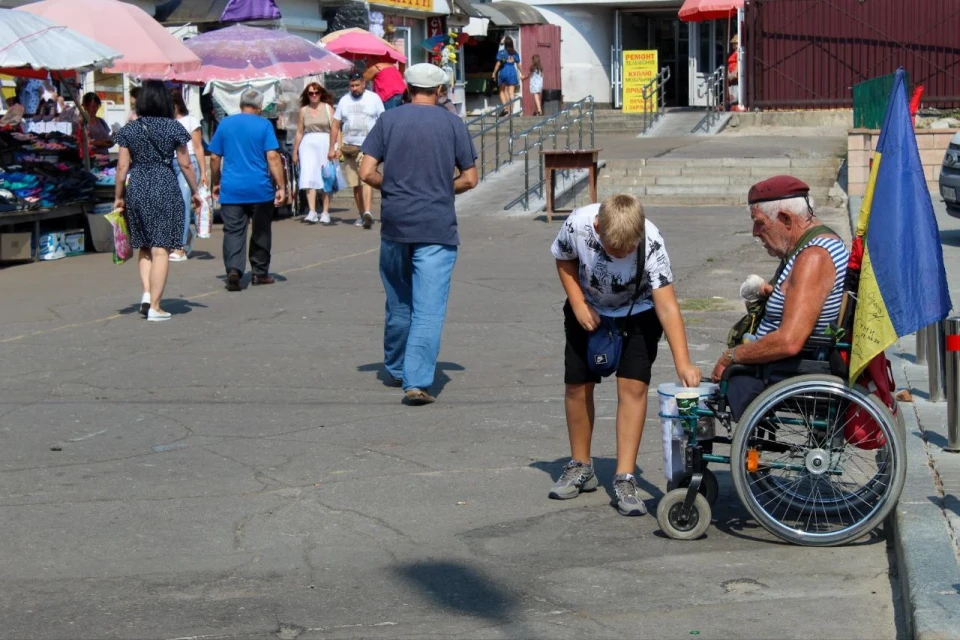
(596, 32)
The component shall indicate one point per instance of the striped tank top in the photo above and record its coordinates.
(831, 307)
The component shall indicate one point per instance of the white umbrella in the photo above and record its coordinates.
(28, 41)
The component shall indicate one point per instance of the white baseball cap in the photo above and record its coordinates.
(425, 75)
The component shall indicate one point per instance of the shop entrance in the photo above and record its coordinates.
(479, 58)
(708, 51)
(660, 31)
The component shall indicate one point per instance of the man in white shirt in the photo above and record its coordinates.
(355, 116)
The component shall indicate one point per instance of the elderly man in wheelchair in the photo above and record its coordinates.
(814, 460)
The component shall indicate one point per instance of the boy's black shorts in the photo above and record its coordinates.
(639, 348)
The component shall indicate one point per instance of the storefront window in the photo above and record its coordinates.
(109, 86)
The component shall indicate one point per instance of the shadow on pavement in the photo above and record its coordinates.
(440, 380)
(245, 280)
(935, 439)
(458, 588)
(171, 305)
(179, 307)
(605, 468)
(947, 503)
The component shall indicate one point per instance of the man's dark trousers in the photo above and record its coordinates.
(235, 220)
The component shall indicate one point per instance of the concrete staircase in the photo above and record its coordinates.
(605, 121)
(716, 181)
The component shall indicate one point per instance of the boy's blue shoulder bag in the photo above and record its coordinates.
(605, 343)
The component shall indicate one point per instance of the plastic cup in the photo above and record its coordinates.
(687, 402)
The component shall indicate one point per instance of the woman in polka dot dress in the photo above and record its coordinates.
(152, 200)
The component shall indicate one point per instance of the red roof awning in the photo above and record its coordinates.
(705, 10)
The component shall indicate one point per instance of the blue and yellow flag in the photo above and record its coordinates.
(903, 285)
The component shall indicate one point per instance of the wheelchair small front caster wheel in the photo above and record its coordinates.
(671, 520)
(709, 487)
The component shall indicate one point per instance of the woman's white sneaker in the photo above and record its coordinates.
(324, 218)
(312, 218)
(157, 316)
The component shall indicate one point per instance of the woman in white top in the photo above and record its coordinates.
(197, 158)
(311, 148)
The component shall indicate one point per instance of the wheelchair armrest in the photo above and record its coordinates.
(740, 370)
(818, 343)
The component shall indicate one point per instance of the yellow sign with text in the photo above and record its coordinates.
(639, 68)
(415, 5)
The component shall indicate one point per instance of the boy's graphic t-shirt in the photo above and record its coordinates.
(609, 283)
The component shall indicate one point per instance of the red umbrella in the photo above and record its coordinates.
(704, 10)
(360, 43)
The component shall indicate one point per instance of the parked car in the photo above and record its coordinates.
(950, 177)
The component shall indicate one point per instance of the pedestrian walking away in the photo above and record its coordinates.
(387, 81)
(246, 174)
(356, 114)
(311, 148)
(420, 147)
(615, 270)
(152, 200)
(536, 83)
(507, 73)
(199, 162)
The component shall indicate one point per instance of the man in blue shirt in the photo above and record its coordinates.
(421, 146)
(249, 146)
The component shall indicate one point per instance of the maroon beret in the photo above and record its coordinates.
(778, 188)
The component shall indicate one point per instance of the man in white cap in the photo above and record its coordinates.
(421, 147)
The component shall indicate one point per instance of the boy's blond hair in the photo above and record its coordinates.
(620, 223)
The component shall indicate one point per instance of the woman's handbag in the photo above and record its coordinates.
(605, 343)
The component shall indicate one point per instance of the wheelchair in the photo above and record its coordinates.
(815, 461)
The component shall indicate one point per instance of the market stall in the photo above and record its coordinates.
(46, 167)
(240, 57)
(42, 177)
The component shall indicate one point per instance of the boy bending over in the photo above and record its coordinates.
(597, 259)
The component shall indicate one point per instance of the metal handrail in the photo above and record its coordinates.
(496, 128)
(654, 95)
(562, 121)
(713, 87)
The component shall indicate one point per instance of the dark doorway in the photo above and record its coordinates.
(671, 38)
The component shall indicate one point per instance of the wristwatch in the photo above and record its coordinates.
(732, 355)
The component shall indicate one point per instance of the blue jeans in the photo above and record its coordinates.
(416, 278)
(185, 192)
(393, 102)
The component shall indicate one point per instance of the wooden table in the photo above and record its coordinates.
(554, 160)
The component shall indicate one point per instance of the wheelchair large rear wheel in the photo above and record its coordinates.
(799, 477)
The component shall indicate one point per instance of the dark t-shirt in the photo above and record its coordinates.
(419, 146)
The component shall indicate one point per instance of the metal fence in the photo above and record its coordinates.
(492, 125)
(810, 53)
(870, 100)
(714, 90)
(655, 98)
(556, 130)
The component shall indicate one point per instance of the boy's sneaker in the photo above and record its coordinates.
(576, 477)
(627, 498)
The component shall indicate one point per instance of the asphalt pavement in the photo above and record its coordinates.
(243, 470)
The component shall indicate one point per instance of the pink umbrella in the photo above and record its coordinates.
(146, 46)
(360, 43)
(704, 10)
(240, 53)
